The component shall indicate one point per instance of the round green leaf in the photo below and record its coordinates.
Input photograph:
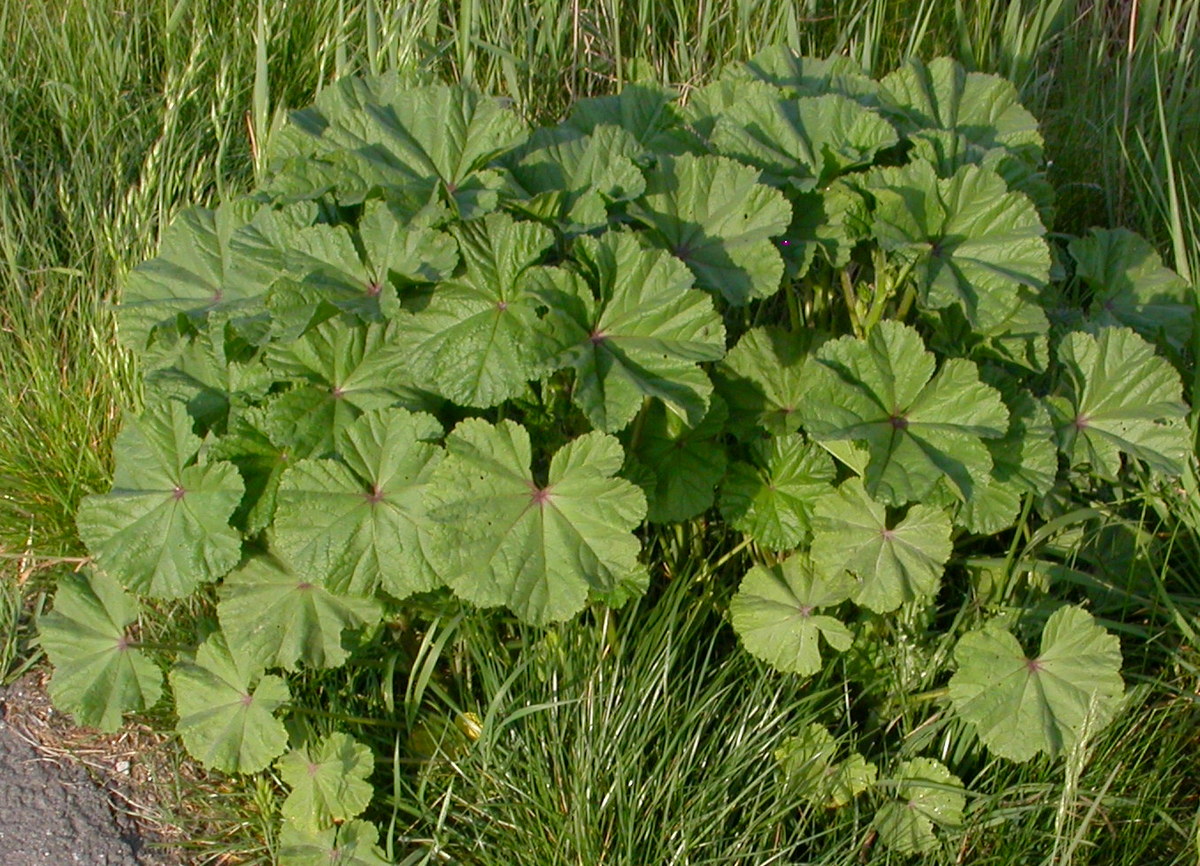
(503, 537)
(644, 337)
(1119, 398)
(765, 377)
(98, 672)
(1020, 705)
(970, 243)
(800, 143)
(479, 338)
(942, 95)
(712, 213)
(919, 426)
(355, 524)
(163, 528)
(774, 613)
(226, 709)
(328, 781)
(894, 564)
(276, 618)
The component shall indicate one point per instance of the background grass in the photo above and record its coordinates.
(113, 117)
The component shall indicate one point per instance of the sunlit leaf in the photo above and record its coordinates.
(714, 215)
(643, 335)
(356, 523)
(163, 528)
(1120, 398)
(1023, 705)
(329, 782)
(99, 674)
(505, 537)
(226, 709)
(276, 617)
(918, 425)
(775, 614)
(771, 497)
(895, 561)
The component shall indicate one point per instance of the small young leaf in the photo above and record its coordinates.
(328, 781)
(712, 213)
(644, 337)
(771, 498)
(163, 529)
(1132, 287)
(894, 564)
(98, 674)
(927, 796)
(1120, 398)
(276, 618)
(919, 427)
(685, 464)
(358, 523)
(226, 709)
(774, 614)
(1021, 706)
(504, 538)
(352, 844)
(809, 771)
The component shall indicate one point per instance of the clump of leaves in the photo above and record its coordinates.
(438, 352)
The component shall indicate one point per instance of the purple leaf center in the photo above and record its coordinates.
(502, 305)
(539, 496)
(375, 496)
(247, 699)
(304, 586)
(373, 289)
(888, 534)
(683, 251)
(336, 392)
(1082, 421)
(898, 422)
(1033, 665)
(178, 493)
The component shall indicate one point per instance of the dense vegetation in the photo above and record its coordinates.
(900, 414)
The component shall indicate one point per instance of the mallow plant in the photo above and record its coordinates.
(438, 353)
